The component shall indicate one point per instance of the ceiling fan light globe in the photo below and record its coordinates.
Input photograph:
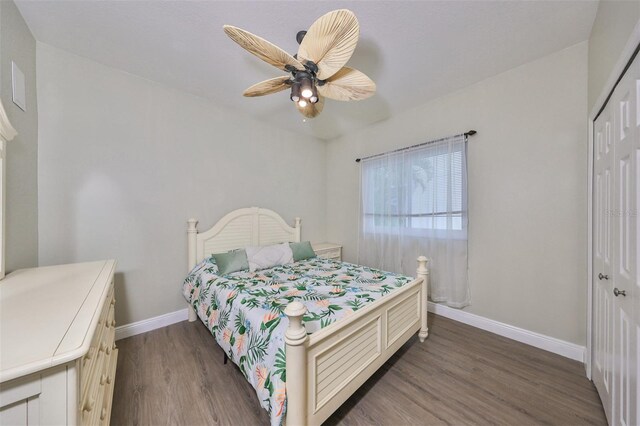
(302, 103)
(313, 99)
(307, 93)
(295, 98)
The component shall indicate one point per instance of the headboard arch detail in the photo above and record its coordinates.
(252, 226)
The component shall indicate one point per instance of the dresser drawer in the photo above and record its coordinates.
(90, 409)
(95, 365)
(110, 377)
(90, 363)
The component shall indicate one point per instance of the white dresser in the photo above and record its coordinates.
(57, 345)
(328, 250)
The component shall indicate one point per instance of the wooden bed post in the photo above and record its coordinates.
(192, 234)
(423, 272)
(296, 340)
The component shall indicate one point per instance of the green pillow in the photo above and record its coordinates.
(302, 251)
(232, 261)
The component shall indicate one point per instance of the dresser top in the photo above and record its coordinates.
(48, 315)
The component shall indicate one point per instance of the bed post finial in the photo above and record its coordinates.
(296, 340)
(192, 237)
(423, 272)
(297, 226)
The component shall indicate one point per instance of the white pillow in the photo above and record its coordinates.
(269, 256)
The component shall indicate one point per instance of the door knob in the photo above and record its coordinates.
(617, 292)
(603, 277)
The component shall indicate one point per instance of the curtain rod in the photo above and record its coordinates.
(466, 134)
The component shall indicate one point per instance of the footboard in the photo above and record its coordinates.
(327, 367)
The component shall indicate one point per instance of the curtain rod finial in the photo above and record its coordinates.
(471, 133)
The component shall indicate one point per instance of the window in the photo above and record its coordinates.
(414, 204)
(417, 189)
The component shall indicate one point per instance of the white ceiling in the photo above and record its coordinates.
(414, 50)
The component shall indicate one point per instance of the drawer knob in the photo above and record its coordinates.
(113, 323)
(113, 301)
(103, 347)
(108, 350)
(103, 379)
(88, 405)
(109, 379)
(103, 413)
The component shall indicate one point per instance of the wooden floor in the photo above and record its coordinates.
(459, 376)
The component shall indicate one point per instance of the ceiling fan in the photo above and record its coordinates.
(317, 70)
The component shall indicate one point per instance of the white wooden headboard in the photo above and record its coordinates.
(241, 228)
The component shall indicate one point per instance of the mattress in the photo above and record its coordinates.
(245, 312)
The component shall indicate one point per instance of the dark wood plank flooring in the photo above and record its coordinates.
(460, 376)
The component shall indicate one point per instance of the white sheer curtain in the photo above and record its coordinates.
(414, 202)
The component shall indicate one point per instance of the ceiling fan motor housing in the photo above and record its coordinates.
(304, 87)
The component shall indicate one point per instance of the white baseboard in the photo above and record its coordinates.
(551, 344)
(143, 326)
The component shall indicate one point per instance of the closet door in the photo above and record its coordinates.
(616, 289)
(625, 238)
(602, 259)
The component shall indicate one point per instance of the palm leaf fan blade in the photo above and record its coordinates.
(267, 87)
(311, 110)
(263, 49)
(348, 84)
(330, 41)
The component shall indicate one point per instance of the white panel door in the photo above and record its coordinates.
(602, 258)
(616, 290)
(625, 394)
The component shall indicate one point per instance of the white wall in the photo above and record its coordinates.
(18, 45)
(527, 188)
(611, 30)
(123, 162)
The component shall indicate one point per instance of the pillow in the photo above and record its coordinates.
(302, 251)
(269, 256)
(233, 261)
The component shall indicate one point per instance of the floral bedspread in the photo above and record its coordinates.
(245, 312)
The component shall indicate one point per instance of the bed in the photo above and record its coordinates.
(326, 326)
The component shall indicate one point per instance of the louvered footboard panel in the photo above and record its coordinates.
(338, 364)
(341, 361)
(402, 317)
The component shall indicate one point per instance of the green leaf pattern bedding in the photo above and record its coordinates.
(245, 312)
